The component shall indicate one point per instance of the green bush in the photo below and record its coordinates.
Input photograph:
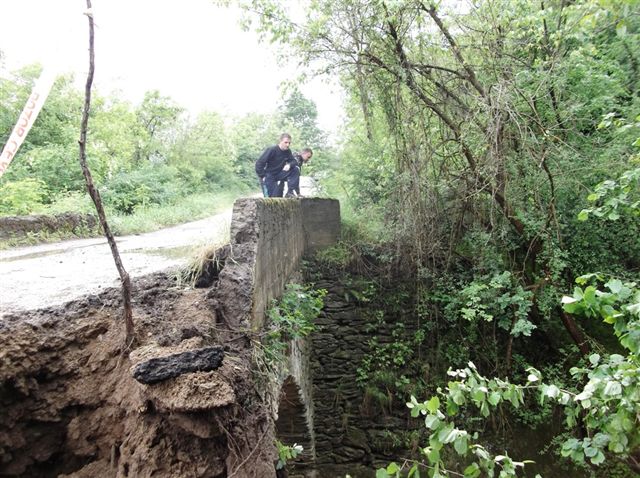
(74, 201)
(22, 197)
(58, 167)
(143, 187)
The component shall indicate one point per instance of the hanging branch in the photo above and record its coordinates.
(95, 195)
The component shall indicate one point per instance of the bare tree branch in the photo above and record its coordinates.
(431, 10)
(95, 195)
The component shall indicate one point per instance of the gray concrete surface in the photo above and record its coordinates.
(52, 274)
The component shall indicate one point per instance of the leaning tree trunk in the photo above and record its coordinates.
(95, 195)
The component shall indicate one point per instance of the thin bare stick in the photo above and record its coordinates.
(244, 462)
(95, 195)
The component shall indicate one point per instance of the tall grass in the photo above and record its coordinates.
(189, 208)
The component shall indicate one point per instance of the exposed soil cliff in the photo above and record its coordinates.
(69, 405)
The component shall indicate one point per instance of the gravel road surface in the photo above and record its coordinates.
(52, 274)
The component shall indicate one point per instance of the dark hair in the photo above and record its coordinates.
(306, 150)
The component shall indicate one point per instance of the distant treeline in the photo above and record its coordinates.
(140, 154)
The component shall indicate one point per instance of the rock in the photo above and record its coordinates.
(346, 454)
(357, 439)
(162, 368)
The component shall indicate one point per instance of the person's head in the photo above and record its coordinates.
(285, 141)
(306, 154)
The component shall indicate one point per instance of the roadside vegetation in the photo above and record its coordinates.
(154, 164)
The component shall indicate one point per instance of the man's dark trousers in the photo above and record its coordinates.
(271, 180)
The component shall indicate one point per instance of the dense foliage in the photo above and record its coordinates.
(476, 133)
(490, 157)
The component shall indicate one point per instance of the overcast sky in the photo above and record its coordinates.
(190, 50)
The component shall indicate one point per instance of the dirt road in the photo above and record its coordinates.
(51, 274)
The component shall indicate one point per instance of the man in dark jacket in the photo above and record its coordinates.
(276, 164)
(301, 158)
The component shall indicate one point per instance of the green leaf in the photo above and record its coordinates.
(472, 471)
(552, 391)
(434, 456)
(451, 436)
(598, 459)
(452, 407)
(613, 388)
(393, 468)
(616, 447)
(431, 422)
(571, 307)
(444, 433)
(590, 295)
(477, 395)
(460, 445)
(494, 398)
(433, 404)
(614, 285)
(382, 473)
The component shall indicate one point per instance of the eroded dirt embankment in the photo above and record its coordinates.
(69, 405)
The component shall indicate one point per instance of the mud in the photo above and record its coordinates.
(70, 407)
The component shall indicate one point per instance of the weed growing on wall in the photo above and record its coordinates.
(289, 318)
(286, 453)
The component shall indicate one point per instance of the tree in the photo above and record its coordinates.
(603, 411)
(95, 195)
(250, 135)
(302, 113)
(48, 153)
(158, 116)
(203, 153)
(477, 125)
(115, 136)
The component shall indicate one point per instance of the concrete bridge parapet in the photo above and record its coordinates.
(269, 238)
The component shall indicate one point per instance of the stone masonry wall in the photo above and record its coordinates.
(351, 430)
(21, 226)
